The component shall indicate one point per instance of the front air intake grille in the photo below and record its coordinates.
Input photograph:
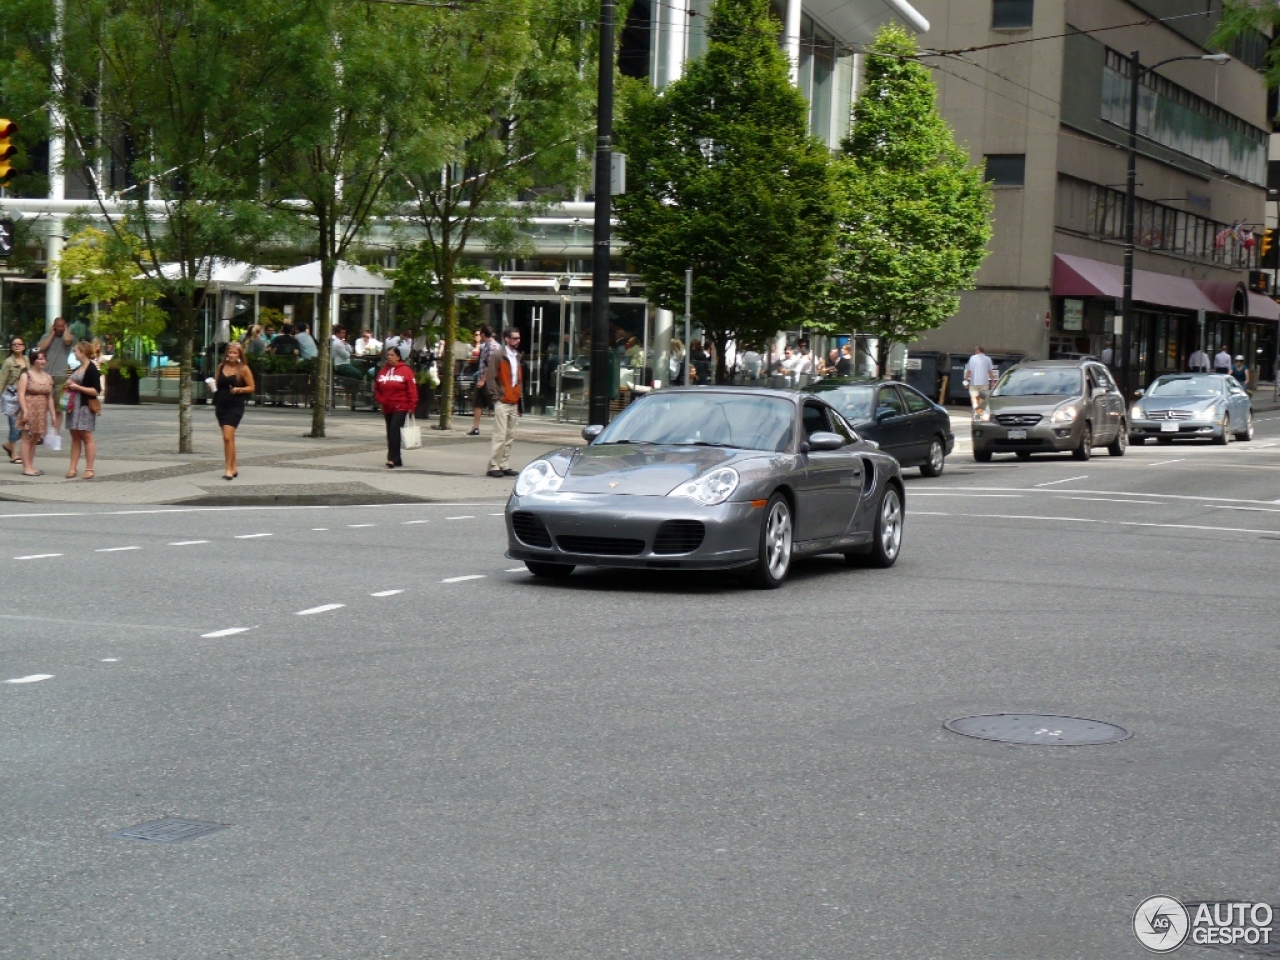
(530, 530)
(679, 536)
(1018, 419)
(601, 546)
(1170, 414)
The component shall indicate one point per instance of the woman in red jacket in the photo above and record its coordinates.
(396, 392)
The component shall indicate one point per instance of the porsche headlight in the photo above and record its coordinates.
(1064, 415)
(709, 489)
(538, 477)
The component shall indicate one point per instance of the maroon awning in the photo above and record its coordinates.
(1263, 308)
(1082, 277)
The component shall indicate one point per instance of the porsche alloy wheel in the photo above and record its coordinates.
(775, 545)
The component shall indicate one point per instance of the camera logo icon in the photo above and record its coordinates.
(1161, 924)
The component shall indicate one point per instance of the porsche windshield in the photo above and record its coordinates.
(706, 419)
(1033, 382)
(1168, 388)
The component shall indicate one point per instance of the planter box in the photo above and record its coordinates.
(122, 389)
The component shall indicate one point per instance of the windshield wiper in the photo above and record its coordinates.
(609, 443)
(708, 443)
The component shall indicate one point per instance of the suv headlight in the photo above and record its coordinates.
(538, 477)
(1064, 415)
(1137, 413)
(709, 489)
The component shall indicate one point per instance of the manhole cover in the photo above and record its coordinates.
(169, 830)
(1037, 728)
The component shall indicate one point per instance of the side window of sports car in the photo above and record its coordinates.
(839, 426)
(815, 419)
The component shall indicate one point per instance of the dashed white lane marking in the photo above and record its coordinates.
(1145, 503)
(1051, 483)
(116, 549)
(230, 631)
(324, 608)
(319, 529)
(34, 678)
(1161, 463)
(110, 659)
(361, 524)
(929, 513)
(474, 576)
(186, 543)
(1216, 506)
(526, 569)
(407, 522)
(386, 593)
(38, 556)
(944, 493)
(1114, 523)
(1127, 493)
(252, 536)
(497, 514)
(460, 518)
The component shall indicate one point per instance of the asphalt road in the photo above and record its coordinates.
(483, 765)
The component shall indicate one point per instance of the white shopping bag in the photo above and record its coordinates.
(52, 440)
(410, 434)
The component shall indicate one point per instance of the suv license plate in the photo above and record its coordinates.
(1168, 428)
(1017, 434)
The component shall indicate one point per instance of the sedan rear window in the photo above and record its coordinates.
(706, 419)
(1030, 382)
(854, 403)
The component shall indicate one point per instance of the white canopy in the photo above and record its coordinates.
(229, 274)
(348, 278)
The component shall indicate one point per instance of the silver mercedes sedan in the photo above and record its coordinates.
(1192, 406)
(710, 478)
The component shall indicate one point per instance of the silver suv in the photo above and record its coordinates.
(1052, 406)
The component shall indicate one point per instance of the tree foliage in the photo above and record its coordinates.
(101, 269)
(915, 216)
(1243, 18)
(725, 178)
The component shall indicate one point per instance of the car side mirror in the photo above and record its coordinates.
(885, 413)
(1139, 393)
(590, 433)
(821, 440)
(1099, 392)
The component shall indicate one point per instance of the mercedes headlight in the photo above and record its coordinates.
(1137, 413)
(538, 477)
(1212, 413)
(709, 489)
(1064, 415)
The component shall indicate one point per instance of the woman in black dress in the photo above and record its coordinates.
(234, 387)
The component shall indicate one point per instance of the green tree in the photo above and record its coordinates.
(169, 108)
(102, 270)
(724, 177)
(506, 108)
(1251, 21)
(915, 216)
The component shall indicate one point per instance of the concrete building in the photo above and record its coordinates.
(1040, 96)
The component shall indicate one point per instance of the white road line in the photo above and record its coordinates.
(1116, 523)
(460, 518)
(516, 570)
(929, 513)
(110, 659)
(1161, 463)
(1132, 493)
(1051, 483)
(386, 593)
(186, 543)
(319, 529)
(407, 522)
(224, 633)
(34, 678)
(361, 524)
(474, 576)
(38, 556)
(941, 493)
(321, 609)
(1217, 506)
(497, 514)
(116, 549)
(252, 536)
(1145, 503)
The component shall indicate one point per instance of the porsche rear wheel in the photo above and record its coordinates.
(886, 539)
(774, 560)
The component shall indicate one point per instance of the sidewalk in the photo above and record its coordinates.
(279, 464)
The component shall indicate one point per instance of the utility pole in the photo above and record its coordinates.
(688, 311)
(598, 405)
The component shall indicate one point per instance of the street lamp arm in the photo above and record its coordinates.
(1211, 57)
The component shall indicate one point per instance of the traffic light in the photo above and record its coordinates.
(1259, 282)
(7, 148)
(1269, 252)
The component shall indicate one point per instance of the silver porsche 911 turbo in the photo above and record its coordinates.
(710, 478)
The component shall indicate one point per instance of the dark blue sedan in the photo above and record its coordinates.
(902, 420)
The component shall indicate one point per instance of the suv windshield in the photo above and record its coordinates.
(1033, 382)
(1187, 387)
(706, 419)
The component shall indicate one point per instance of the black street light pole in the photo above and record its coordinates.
(1136, 70)
(598, 405)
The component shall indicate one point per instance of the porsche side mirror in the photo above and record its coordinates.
(590, 433)
(821, 440)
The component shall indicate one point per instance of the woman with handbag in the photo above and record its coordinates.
(14, 366)
(232, 389)
(396, 391)
(35, 402)
(84, 403)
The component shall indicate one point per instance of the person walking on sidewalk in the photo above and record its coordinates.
(56, 346)
(10, 373)
(979, 377)
(84, 387)
(233, 387)
(504, 383)
(1222, 360)
(396, 391)
(1198, 362)
(35, 402)
(480, 396)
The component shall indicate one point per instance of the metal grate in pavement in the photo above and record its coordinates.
(168, 830)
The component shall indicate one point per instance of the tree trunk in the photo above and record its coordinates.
(883, 346)
(186, 311)
(450, 309)
(320, 398)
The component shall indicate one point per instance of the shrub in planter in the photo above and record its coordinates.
(123, 377)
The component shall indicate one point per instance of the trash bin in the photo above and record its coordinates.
(924, 371)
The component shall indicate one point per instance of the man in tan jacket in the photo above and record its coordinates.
(504, 382)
